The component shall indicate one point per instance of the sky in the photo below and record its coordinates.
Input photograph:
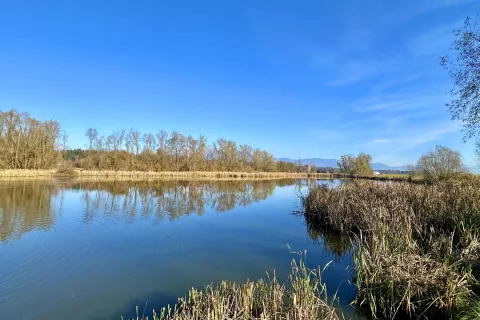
(300, 79)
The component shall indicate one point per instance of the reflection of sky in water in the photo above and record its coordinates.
(97, 250)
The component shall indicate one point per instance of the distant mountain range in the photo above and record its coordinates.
(332, 163)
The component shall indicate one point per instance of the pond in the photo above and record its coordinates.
(96, 249)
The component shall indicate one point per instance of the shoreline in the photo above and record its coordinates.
(214, 175)
(8, 174)
(385, 177)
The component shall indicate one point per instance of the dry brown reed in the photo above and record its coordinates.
(417, 250)
(161, 174)
(303, 297)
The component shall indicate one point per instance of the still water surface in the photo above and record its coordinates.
(95, 250)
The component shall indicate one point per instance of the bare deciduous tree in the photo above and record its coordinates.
(92, 135)
(347, 164)
(464, 70)
(360, 165)
(149, 143)
(26, 143)
(477, 152)
(32, 144)
(363, 165)
(441, 162)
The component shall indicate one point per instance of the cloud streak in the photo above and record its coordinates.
(383, 64)
(412, 137)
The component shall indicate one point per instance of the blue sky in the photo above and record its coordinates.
(297, 78)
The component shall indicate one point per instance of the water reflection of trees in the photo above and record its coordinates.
(171, 199)
(30, 205)
(27, 205)
(339, 245)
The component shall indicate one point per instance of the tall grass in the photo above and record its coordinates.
(302, 297)
(381, 177)
(158, 174)
(417, 247)
(471, 312)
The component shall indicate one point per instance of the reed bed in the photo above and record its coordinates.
(26, 173)
(417, 246)
(160, 174)
(381, 177)
(302, 297)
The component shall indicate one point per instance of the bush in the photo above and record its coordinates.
(66, 171)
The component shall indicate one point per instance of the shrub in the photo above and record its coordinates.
(66, 171)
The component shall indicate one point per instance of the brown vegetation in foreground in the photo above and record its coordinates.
(417, 249)
(303, 297)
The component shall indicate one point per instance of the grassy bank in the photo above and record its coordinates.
(418, 178)
(417, 249)
(158, 175)
(302, 297)
(381, 177)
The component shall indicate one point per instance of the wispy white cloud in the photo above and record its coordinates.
(330, 134)
(415, 136)
(380, 141)
(423, 136)
(351, 72)
(383, 64)
(431, 136)
(433, 42)
(342, 69)
(400, 102)
(447, 3)
(419, 8)
(394, 82)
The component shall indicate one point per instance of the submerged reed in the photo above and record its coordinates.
(302, 297)
(417, 246)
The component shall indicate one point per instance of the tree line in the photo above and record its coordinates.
(163, 151)
(27, 143)
(439, 163)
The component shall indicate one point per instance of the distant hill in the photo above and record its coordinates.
(319, 162)
(381, 166)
